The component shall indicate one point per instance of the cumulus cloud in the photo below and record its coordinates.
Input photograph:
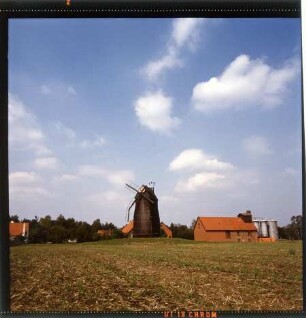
(24, 131)
(114, 177)
(26, 183)
(46, 163)
(195, 159)
(245, 82)
(115, 201)
(205, 171)
(200, 181)
(156, 67)
(185, 31)
(257, 146)
(120, 177)
(168, 199)
(71, 137)
(65, 178)
(24, 177)
(154, 112)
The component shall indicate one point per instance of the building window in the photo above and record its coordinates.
(238, 233)
(228, 234)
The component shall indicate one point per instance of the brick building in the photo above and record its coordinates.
(19, 229)
(226, 229)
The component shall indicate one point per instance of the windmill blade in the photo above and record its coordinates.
(146, 197)
(133, 184)
(131, 187)
(129, 209)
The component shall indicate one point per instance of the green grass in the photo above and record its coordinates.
(156, 274)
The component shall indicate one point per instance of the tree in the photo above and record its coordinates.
(181, 231)
(46, 221)
(58, 234)
(107, 226)
(292, 231)
(14, 218)
(193, 223)
(296, 227)
(96, 225)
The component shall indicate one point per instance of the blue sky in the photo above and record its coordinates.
(209, 109)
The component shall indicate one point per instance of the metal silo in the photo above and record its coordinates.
(257, 225)
(273, 230)
(264, 228)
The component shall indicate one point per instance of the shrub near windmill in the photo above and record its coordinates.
(146, 216)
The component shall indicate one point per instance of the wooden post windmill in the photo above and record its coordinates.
(146, 216)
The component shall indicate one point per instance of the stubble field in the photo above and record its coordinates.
(156, 274)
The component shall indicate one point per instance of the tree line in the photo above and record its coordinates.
(59, 230)
(292, 231)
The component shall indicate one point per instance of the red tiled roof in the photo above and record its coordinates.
(128, 228)
(226, 224)
(16, 229)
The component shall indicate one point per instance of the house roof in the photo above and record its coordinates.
(226, 224)
(128, 228)
(16, 229)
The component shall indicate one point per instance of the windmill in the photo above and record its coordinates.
(146, 215)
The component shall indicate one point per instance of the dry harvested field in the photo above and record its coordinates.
(156, 274)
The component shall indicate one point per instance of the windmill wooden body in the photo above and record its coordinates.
(146, 215)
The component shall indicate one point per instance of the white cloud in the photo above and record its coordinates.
(168, 199)
(114, 177)
(245, 82)
(211, 172)
(28, 192)
(65, 178)
(185, 31)
(154, 112)
(111, 195)
(156, 67)
(257, 146)
(24, 130)
(46, 162)
(71, 136)
(200, 181)
(23, 178)
(120, 177)
(195, 159)
(98, 141)
(67, 132)
(23, 183)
